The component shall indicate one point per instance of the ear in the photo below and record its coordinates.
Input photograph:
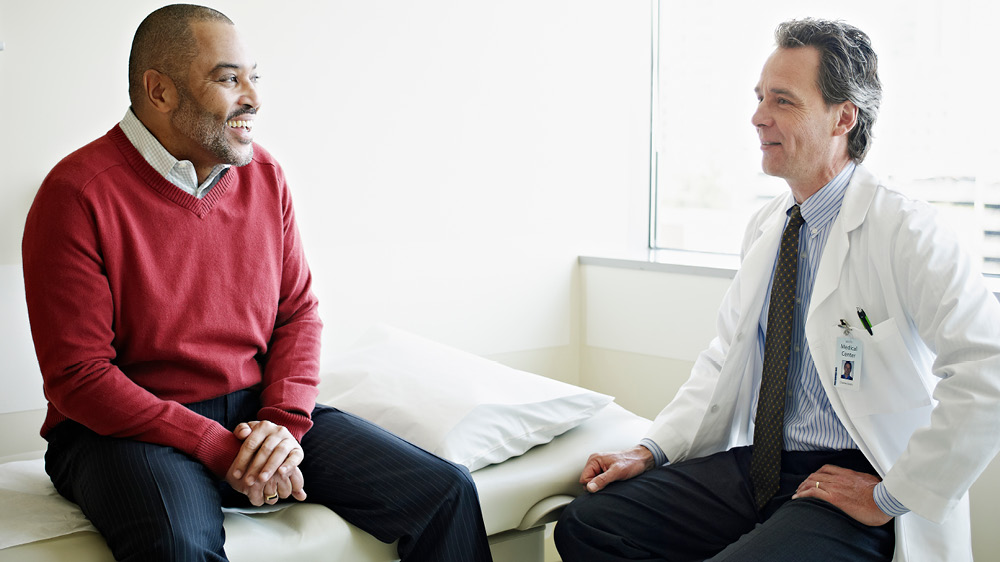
(847, 118)
(161, 93)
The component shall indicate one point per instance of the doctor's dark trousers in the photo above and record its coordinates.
(153, 503)
(704, 509)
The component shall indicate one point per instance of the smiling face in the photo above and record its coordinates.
(803, 139)
(217, 106)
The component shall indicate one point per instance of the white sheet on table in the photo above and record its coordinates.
(31, 509)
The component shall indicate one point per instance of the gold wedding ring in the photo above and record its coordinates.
(275, 496)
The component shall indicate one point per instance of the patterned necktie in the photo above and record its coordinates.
(768, 433)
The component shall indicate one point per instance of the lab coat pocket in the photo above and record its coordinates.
(890, 381)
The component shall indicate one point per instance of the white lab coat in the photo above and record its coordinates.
(928, 406)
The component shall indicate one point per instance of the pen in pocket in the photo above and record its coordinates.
(864, 321)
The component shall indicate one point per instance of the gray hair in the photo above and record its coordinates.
(848, 71)
(165, 42)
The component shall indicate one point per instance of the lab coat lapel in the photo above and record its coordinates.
(854, 209)
(758, 263)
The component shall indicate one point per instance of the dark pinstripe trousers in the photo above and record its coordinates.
(154, 503)
(704, 509)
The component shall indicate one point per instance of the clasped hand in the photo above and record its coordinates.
(267, 465)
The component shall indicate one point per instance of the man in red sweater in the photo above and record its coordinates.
(178, 336)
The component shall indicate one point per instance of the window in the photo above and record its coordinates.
(935, 138)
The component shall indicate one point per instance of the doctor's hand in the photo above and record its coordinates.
(604, 468)
(848, 490)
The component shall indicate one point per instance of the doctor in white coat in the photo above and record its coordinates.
(917, 420)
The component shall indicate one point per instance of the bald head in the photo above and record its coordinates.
(166, 43)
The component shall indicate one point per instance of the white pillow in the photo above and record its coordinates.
(467, 409)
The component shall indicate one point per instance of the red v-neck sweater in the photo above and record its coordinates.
(142, 298)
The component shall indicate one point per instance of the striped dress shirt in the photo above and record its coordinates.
(810, 422)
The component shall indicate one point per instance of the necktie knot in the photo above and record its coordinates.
(795, 219)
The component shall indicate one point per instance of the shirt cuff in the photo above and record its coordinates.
(659, 457)
(887, 503)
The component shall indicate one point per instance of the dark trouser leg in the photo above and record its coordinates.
(151, 503)
(696, 509)
(686, 511)
(811, 529)
(393, 489)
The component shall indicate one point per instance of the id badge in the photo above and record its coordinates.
(847, 372)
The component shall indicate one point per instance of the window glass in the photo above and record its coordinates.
(935, 138)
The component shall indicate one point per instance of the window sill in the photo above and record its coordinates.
(671, 261)
(695, 263)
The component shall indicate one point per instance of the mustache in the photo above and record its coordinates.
(241, 112)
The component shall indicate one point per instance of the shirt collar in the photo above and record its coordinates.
(178, 172)
(824, 205)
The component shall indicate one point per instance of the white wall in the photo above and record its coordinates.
(643, 330)
(449, 159)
